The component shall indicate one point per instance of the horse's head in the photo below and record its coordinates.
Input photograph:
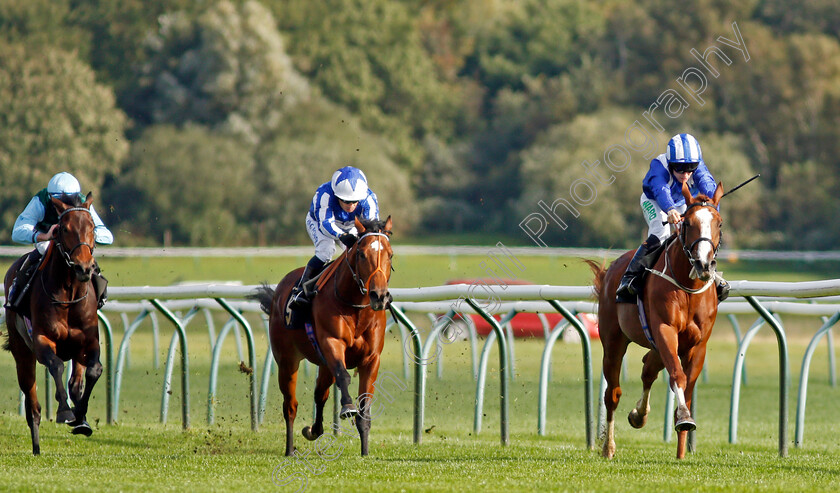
(372, 255)
(74, 236)
(700, 232)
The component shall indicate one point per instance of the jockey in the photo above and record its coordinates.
(335, 206)
(37, 224)
(662, 202)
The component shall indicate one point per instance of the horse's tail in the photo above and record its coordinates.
(599, 270)
(265, 295)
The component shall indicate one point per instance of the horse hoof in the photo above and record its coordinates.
(637, 420)
(82, 429)
(348, 411)
(308, 434)
(685, 424)
(65, 416)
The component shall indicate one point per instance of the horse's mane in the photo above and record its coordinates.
(374, 225)
(73, 199)
(701, 198)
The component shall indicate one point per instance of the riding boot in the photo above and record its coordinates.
(21, 282)
(722, 288)
(299, 297)
(100, 286)
(630, 283)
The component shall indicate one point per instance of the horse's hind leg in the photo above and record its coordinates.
(614, 349)
(322, 393)
(25, 362)
(287, 378)
(650, 370)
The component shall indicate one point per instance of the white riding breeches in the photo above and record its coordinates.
(656, 218)
(325, 245)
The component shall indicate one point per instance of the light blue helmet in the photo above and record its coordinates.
(349, 184)
(683, 153)
(63, 183)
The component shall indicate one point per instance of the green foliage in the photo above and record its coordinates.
(190, 183)
(42, 23)
(54, 117)
(368, 55)
(537, 37)
(226, 69)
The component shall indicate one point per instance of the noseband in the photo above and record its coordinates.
(60, 243)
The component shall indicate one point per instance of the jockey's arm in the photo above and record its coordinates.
(24, 230)
(656, 180)
(371, 207)
(704, 180)
(102, 234)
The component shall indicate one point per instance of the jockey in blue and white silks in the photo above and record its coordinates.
(36, 225)
(663, 204)
(332, 213)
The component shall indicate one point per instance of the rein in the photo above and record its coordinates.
(61, 249)
(364, 287)
(65, 255)
(687, 251)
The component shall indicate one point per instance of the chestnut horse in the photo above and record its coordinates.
(59, 321)
(681, 306)
(349, 326)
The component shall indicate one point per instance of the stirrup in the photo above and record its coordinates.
(299, 299)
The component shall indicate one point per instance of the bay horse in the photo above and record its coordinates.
(680, 309)
(349, 326)
(59, 323)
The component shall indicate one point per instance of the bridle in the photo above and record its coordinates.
(60, 243)
(65, 255)
(687, 249)
(364, 286)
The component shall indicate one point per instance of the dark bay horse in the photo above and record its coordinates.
(64, 325)
(680, 313)
(349, 326)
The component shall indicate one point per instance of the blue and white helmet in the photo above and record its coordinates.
(349, 184)
(63, 183)
(683, 153)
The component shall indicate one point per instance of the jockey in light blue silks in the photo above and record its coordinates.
(335, 206)
(662, 204)
(37, 224)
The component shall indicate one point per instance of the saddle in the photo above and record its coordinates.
(649, 260)
(296, 319)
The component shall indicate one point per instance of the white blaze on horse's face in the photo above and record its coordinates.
(705, 251)
(376, 246)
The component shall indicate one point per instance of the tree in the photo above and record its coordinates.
(54, 117)
(187, 183)
(226, 69)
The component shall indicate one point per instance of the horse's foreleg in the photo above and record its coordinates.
(693, 366)
(287, 379)
(342, 378)
(47, 357)
(666, 342)
(650, 370)
(92, 373)
(322, 393)
(614, 349)
(367, 379)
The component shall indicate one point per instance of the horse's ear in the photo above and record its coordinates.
(686, 193)
(718, 193)
(59, 205)
(388, 225)
(360, 228)
(88, 200)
